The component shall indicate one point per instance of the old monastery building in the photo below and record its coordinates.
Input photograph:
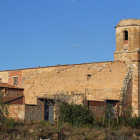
(114, 82)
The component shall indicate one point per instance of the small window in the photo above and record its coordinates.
(15, 80)
(88, 77)
(0, 80)
(125, 35)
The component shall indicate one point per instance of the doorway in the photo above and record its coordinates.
(111, 108)
(49, 110)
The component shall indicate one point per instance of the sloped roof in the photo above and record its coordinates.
(6, 85)
(10, 98)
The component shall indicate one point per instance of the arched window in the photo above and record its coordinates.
(125, 35)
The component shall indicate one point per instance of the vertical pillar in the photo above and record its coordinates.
(135, 87)
(138, 88)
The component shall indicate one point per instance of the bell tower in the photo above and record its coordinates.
(128, 50)
(127, 40)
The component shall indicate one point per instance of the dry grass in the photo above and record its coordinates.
(43, 129)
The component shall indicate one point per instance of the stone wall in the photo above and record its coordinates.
(135, 87)
(102, 80)
(98, 81)
(35, 112)
(17, 111)
(126, 94)
(4, 76)
(130, 50)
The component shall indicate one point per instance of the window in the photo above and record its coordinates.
(88, 77)
(15, 80)
(0, 80)
(125, 35)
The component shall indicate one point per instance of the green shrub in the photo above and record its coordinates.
(8, 124)
(75, 114)
(41, 123)
(134, 122)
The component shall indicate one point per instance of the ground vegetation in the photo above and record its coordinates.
(76, 122)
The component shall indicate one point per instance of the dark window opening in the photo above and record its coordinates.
(49, 110)
(15, 80)
(0, 80)
(88, 77)
(111, 108)
(125, 35)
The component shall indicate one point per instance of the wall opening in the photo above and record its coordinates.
(125, 35)
(15, 80)
(0, 80)
(111, 108)
(49, 110)
(88, 77)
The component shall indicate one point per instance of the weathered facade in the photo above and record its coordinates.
(14, 98)
(116, 81)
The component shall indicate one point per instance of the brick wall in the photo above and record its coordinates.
(18, 101)
(16, 74)
(97, 107)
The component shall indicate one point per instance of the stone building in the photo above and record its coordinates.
(98, 82)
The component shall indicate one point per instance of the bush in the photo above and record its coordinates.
(8, 125)
(134, 122)
(75, 114)
(43, 123)
(9, 122)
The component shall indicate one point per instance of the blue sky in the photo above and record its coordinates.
(50, 32)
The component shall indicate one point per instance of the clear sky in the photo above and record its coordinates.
(50, 32)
